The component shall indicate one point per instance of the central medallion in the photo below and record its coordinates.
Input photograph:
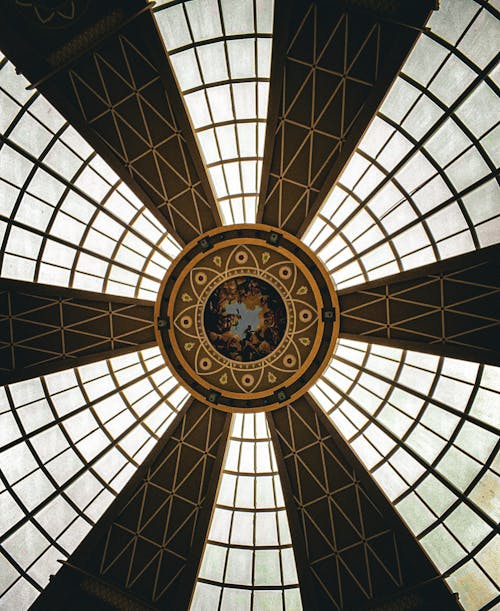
(247, 318)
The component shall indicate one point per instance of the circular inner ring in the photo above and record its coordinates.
(245, 318)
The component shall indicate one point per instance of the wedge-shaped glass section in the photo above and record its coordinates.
(427, 428)
(421, 185)
(65, 216)
(69, 443)
(248, 562)
(221, 55)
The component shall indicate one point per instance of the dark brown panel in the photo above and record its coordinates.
(332, 65)
(450, 308)
(146, 549)
(356, 551)
(107, 72)
(49, 328)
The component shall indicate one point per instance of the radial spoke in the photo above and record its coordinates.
(113, 82)
(357, 550)
(449, 308)
(331, 68)
(49, 328)
(146, 549)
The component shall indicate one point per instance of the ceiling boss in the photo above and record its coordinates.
(247, 317)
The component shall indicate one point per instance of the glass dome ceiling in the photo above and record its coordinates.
(420, 187)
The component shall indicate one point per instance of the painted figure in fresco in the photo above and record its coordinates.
(245, 318)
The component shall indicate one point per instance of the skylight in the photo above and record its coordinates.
(65, 217)
(248, 560)
(70, 442)
(422, 186)
(427, 429)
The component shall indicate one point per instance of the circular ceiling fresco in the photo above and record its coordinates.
(247, 317)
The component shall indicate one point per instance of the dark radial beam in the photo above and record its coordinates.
(104, 67)
(450, 308)
(333, 63)
(352, 549)
(44, 328)
(145, 551)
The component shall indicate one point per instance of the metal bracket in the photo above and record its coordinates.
(274, 238)
(327, 314)
(205, 244)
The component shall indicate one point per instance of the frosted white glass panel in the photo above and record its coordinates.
(248, 546)
(79, 437)
(430, 149)
(225, 85)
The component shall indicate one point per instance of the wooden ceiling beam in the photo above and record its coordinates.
(333, 63)
(448, 308)
(44, 329)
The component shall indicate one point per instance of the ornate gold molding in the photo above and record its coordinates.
(232, 277)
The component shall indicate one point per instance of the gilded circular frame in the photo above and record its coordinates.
(223, 255)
